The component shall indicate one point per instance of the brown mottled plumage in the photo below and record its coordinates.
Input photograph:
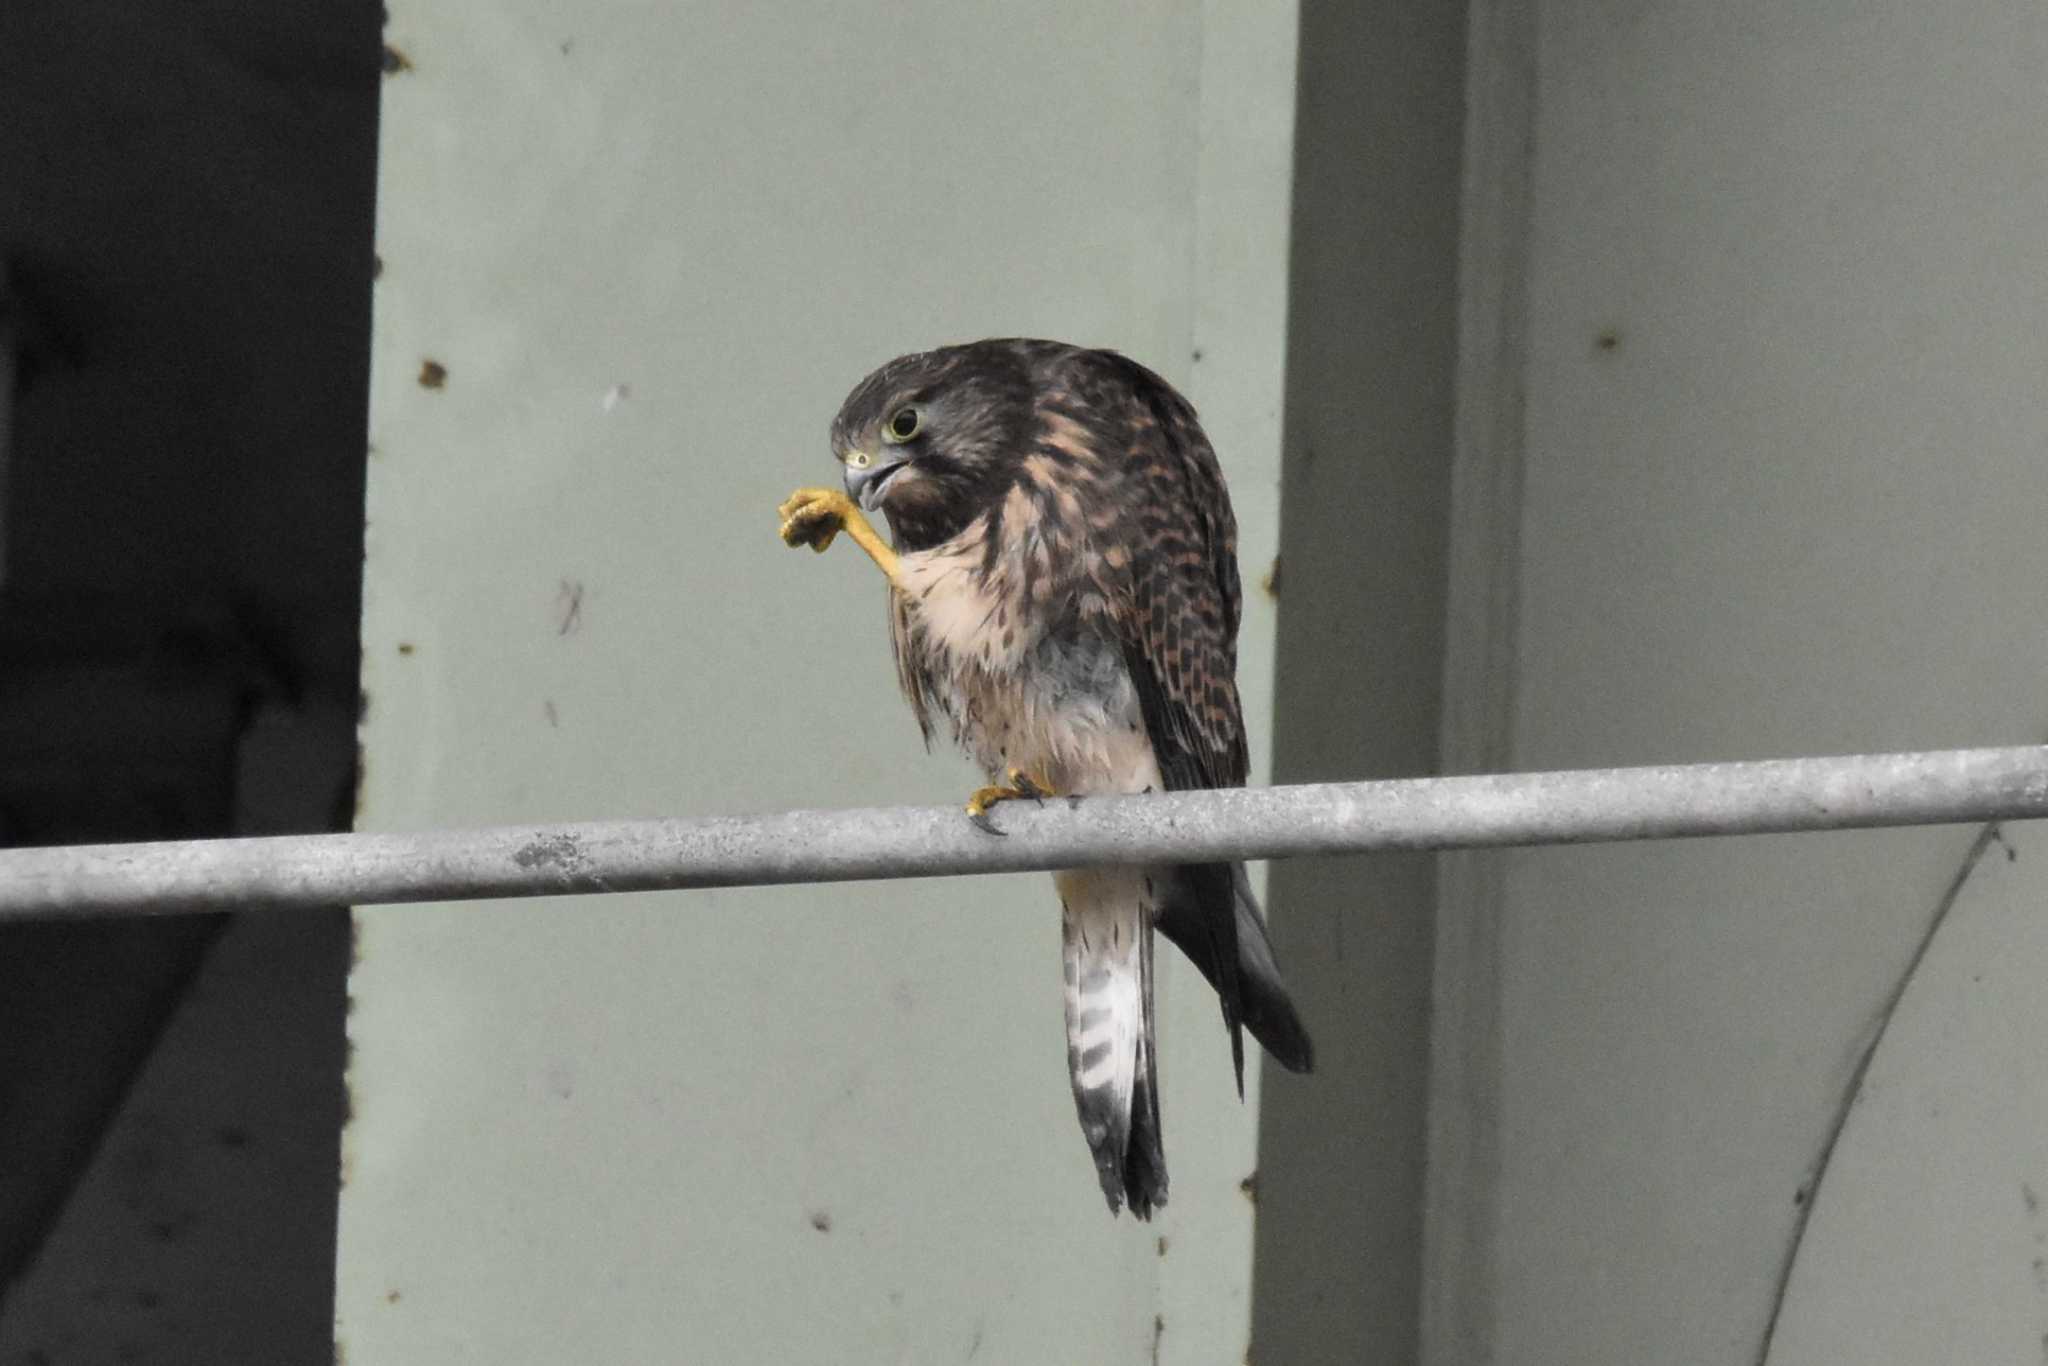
(1065, 603)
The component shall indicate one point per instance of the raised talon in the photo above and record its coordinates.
(1020, 786)
(813, 516)
(811, 494)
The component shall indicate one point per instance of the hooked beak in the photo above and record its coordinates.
(867, 474)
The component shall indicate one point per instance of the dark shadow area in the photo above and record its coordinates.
(186, 217)
(1365, 507)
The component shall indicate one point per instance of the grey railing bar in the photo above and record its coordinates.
(1568, 807)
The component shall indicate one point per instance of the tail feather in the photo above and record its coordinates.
(1106, 928)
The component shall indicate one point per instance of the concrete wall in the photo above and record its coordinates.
(632, 259)
(1775, 301)
(185, 216)
(1370, 382)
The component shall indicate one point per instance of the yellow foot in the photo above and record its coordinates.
(1021, 786)
(813, 517)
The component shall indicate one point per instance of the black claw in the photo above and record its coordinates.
(981, 819)
(1027, 788)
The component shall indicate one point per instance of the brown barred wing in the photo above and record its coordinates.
(1181, 600)
(1175, 614)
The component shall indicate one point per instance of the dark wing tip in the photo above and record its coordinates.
(1288, 1042)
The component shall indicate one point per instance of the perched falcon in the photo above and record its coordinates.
(1064, 600)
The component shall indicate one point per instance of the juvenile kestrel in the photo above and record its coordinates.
(1064, 599)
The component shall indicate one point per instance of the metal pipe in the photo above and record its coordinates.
(1778, 795)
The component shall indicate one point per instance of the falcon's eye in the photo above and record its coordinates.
(903, 425)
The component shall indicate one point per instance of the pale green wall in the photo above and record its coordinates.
(1784, 458)
(1370, 387)
(652, 246)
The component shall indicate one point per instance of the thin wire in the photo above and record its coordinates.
(1809, 1190)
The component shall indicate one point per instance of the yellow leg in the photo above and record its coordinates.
(1020, 786)
(813, 516)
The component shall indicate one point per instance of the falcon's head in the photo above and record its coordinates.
(932, 439)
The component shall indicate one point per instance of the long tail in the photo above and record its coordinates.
(1106, 926)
